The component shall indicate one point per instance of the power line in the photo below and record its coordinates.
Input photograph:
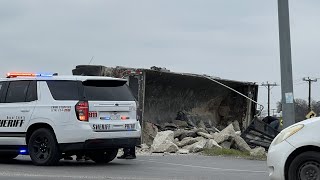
(310, 81)
(269, 86)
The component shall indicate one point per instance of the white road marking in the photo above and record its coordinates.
(27, 175)
(203, 167)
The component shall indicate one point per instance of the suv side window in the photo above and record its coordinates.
(32, 94)
(17, 91)
(1, 90)
(64, 90)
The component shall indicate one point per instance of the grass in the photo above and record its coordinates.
(231, 153)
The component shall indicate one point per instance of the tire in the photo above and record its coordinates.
(105, 156)
(305, 166)
(43, 148)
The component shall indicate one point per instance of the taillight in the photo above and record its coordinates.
(82, 110)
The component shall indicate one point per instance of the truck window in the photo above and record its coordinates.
(107, 90)
(17, 91)
(64, 90)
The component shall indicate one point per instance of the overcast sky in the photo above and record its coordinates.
(230, 39)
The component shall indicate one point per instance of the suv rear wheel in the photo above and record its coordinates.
(43, 148)
(105, 156)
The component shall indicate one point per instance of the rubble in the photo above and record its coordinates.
(236, 126)
(212, 144)
(183, 151)
(168, 126)
(152, 132)
(190, 133)
(163, 142)
(241, 144)
(196, 147)
(258, 152)
(227, 134)
(226, 145)
(167, 146)
(185, 141)
(180, 124)
(205, 135)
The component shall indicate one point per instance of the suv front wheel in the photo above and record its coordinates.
(43, 148)
(103, 156)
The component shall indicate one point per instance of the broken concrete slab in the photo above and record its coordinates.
(226, 145)
(236, 125)
(190, 133)
(241, 144)
(164, 142)
(180, 124)
(187, 141)
(152, 132)
(143, 148)
(212, 130)
(205, 135)
(238, 133)
(197, 147)
(226, 134)
(179, 132)
(258, 152)
(201, 125)
(169, 126)
(183, 151)
(166, 147)
(201, 130)
(212, 144)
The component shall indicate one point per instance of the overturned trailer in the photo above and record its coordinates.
(165, 96)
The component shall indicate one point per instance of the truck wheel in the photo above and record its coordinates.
(305, 166)
(8, 156)
(43, 148)
(104, 156)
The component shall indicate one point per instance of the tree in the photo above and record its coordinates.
(301, 108)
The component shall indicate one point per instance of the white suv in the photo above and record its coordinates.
(49, 117)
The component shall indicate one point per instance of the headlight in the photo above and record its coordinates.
(286, 133)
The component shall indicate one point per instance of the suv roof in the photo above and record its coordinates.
(78, 78)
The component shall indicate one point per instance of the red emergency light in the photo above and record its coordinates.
(26, 74)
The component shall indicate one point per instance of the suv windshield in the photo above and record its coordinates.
(107, 90)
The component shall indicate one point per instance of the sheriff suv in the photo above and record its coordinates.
(48, 117)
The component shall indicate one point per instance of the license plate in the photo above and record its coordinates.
(115, 117)
(111, 117)
(101, 127)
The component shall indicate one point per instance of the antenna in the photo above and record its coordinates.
(91, 60)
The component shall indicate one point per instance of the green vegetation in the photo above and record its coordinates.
(231, 153)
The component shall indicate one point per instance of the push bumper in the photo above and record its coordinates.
(99, 144)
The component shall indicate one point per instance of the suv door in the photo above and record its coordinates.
(16, 109)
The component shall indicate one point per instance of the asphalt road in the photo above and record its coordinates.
(154, 167)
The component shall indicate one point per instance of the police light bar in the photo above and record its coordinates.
(23, 74)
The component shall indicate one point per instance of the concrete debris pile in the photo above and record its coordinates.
(185, 141)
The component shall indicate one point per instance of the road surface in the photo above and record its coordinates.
(149, 167)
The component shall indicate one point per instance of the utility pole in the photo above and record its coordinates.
(309, 81)
(286, 64)
(268, 85)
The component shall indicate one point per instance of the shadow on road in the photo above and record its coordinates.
(63, 163)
